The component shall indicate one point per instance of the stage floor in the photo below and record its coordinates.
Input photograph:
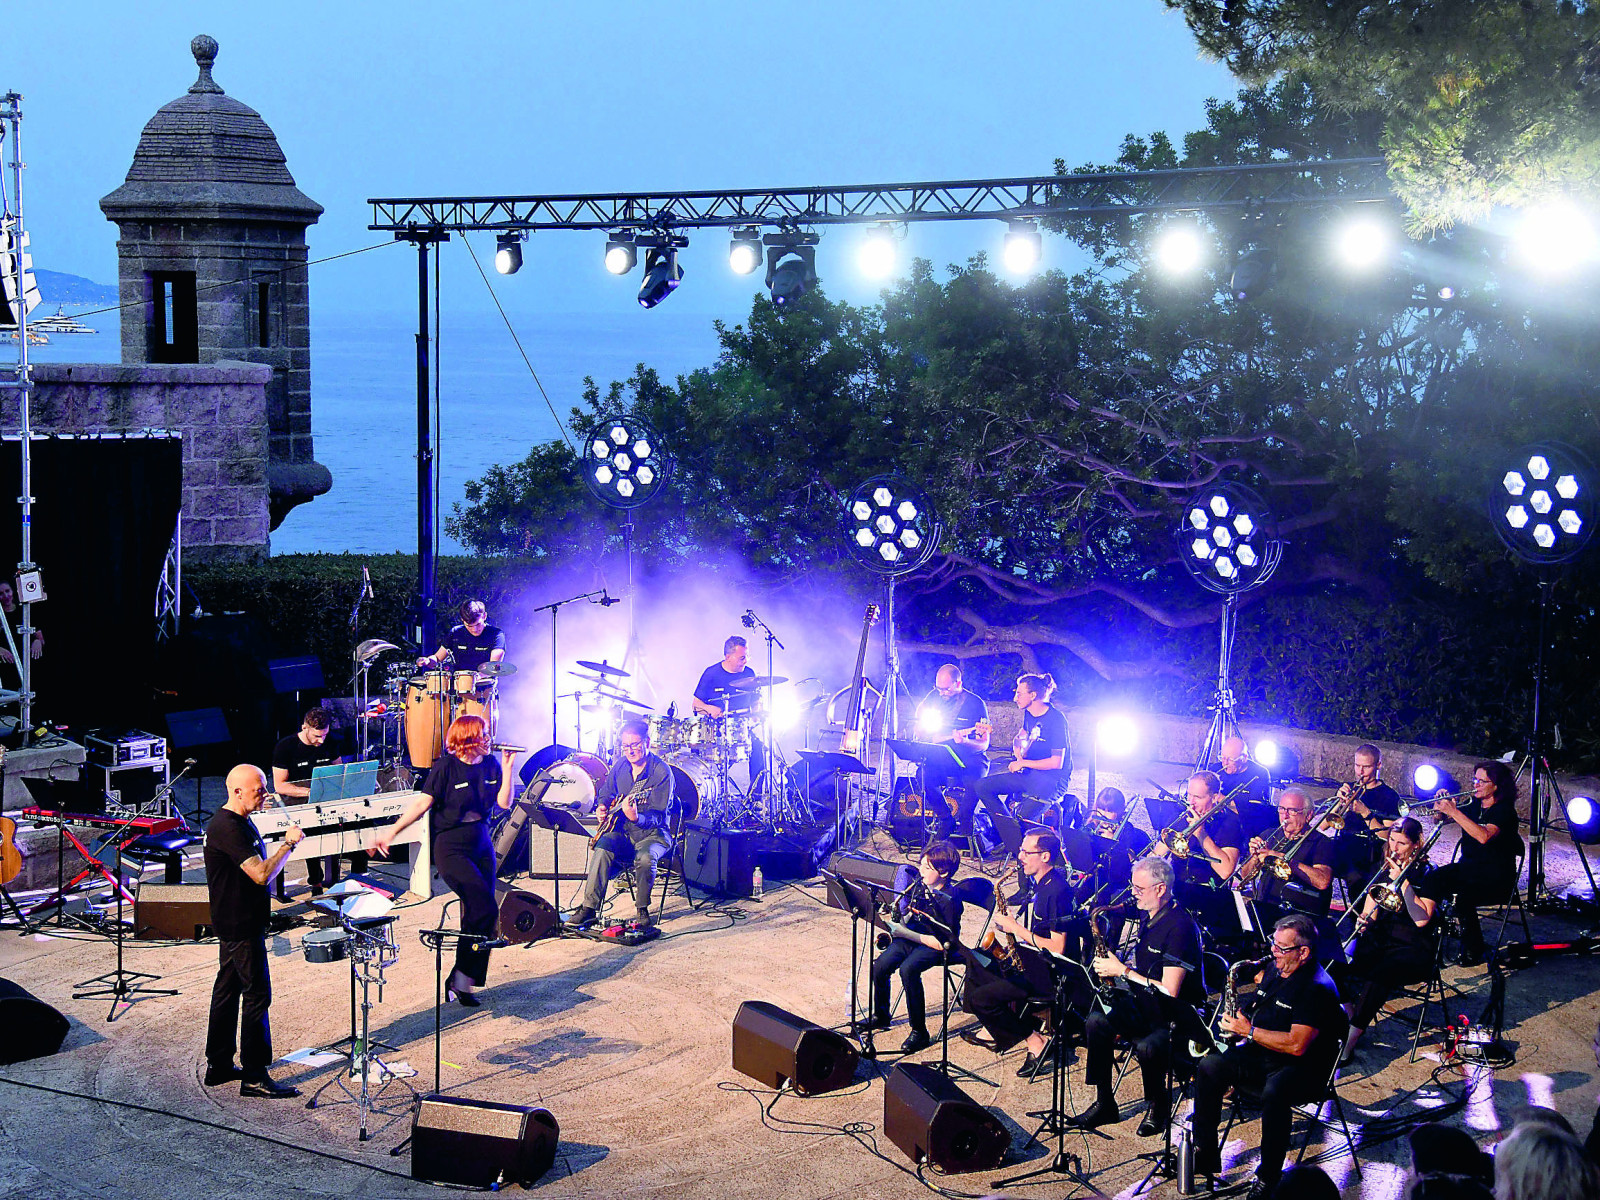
(630, 1050)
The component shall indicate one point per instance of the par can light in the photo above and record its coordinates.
(1227, 539)
(1542, 503)
(623, 463)
(890, 525)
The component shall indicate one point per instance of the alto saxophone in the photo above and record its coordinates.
(999, 942)
(1220, 1040)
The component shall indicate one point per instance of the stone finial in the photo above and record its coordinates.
(204, 49)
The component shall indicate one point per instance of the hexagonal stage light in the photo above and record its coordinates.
(1542, 503)
(623, 462)
(891, 525)
(1228, 539)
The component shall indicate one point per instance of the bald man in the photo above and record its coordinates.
(238, 875)
(959, 718)
(1245, 780)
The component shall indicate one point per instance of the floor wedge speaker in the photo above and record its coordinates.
(32, 1028)
(480, 1143)
(777, 1047)
(526, 917)
(933, 1120)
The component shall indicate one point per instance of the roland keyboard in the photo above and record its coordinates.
(346, 826)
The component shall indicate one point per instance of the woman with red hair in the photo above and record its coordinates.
(459, 791)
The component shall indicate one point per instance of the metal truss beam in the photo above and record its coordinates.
(1242, 188)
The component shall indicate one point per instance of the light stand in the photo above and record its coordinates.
(1225, 716)
(422, 628)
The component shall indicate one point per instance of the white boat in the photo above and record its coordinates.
(35, 338)
(58, 322)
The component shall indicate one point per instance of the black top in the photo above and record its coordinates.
(1044, 907)
(717, 677)
(1314, 851)
(470, 651)
(655, 802)
(239, 905)
(1498, 856)
(1114, 860)
(1384, 802)
(461, 794)
(1224, 829)
(923, 902)
(1307, 997)
(1171, 939)
(1041, 737)
(960, 712)
(1249, 785)
(1397, 931)
(299, 759)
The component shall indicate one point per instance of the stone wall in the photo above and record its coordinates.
(221, 411)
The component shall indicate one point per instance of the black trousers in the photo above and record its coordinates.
(321, 872)
(464, 859)
(910, 959)
(1375, 971)
(239, 1002)
(1471, 886)
(1282, 1081)
(996, 999)
(992, 790)
(1152, 1046)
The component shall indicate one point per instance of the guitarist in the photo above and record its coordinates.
(953, 715)
(1042, 761)
(636, 824)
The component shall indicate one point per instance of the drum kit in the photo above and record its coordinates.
(414, 708)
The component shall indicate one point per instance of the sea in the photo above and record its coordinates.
(491, 410)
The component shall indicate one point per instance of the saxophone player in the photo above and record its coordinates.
(1296, 854)
(1166, 958)
(1393, 946)
(929, 927)
(1043, 907)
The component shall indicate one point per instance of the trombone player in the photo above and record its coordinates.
(1205, 848)
(1297, 854)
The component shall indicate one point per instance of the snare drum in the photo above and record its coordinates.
(574, 781)
(734, 736)
(325, 945)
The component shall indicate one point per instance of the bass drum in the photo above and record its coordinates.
(574, 781)
(694, 785)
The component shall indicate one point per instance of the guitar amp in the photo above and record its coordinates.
(111, 748)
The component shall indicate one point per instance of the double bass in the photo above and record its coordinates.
(858, 714)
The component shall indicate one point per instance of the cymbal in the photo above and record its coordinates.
(759, 681)
(497, 668)
(604, 668)
(626, 701)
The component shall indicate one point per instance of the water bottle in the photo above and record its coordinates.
(755, 884)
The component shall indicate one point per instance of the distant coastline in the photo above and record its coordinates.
(57, 287)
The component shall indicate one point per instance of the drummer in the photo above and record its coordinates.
(471, 643)
(725, 690)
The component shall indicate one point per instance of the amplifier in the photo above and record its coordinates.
(718, 861)
(121, 748)
(180, 912)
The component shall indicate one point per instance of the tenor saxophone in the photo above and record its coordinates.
(999, 942)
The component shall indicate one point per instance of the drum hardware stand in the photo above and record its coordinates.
(371, 951)
(349, 1046)
(120, 984)
(1054, 1119)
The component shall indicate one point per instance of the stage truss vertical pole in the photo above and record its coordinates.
(11, 126)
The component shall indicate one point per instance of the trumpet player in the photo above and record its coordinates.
(929, 926)
(1393, 946)
(1490, 844)
(1372, 807)
(1296, 854)
(1165, 959)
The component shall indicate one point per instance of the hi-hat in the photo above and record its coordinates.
(497, 668)
(604, 668)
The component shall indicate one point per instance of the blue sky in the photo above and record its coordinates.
(440, 99)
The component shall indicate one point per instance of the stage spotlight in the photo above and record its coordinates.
(791, 266)
(508, 253)
(877, 253)
(1583, 820)
(1281, 763)
(1363, 243)
(891, 525)
(1118, 735)
(1555, 238)
(1430, 780)
(662, 273)
(1228, 539)
(1542, 503)
(623, 463)
(1023, 247)
(621, 255)
(1253, 273)
(930, 721)
(1267, 753)
(744, 251)
(786, 710)
(1179, 249)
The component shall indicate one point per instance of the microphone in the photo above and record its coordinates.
(749, 618)
(607, 600)
(672, 710)
(498, 746)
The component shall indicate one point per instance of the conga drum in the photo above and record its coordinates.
(427, 716)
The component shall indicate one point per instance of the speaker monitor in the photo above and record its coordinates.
(776, 1047)
(180, 912)
(480, 1143)
(33, 1028)
(526, 917)
(932, 1119)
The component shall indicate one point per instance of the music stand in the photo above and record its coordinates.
(204, 733)
(925, 754)
(860, 898)
(844, 764)
(291, 676)
(557, 821)
(1163, 814)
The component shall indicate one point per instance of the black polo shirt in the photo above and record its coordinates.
(1171, 939)
(1397, 931)
(1223, 829)
(1384, 802)
(1307, 997)
(239, 905)
(470, 651)
(1044, 907)
(1314, 850)
(1248, 785)
(655, 802)
(461, 793)
(960, 712)
(299, 759)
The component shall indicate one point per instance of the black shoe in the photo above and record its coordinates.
(464, 998)
(1154, 1124)
(1260, 1188)
(876, 1023)
(1099, 1113)
(1035, 1065)
(1470, 957)
(642, 919)
(917, 1040)
(217, 1076)
(265, 1088)
(974, 1037)
(581, 917)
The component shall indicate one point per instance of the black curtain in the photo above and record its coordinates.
(104, 514)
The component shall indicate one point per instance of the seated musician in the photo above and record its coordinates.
(1307, 853)
(1243, 779)
(294, 759)
(470, 643)
(1166, 958)
(1214, 850)
(960, 719)
(995, 993)
(1490, 844)
(927, 929)
(633, 804)
(725, 689)
(1118, 844)
(1392, 947)
(1042, 762)
(1374, 806)
(1292, 1030)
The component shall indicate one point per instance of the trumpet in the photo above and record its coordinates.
(1101, 826)
(1345, 798)
(1457, 798)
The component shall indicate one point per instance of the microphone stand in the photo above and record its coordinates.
(553, 608)
(764, 795)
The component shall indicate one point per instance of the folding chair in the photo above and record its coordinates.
(1311, 1110)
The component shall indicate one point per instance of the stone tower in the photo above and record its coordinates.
(212, 264)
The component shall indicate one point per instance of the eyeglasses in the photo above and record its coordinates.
(1279, 951)
(633, 745)
(1139, 889)
(1025, 850)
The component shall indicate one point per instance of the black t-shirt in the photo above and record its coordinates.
(1384, 802)
(1224, 829)
(1114, 860)
(959, 713)
(470, 651)
(717, 678)
(239, 905)
(1397, 931)
(1314, 851)
(940, 904)
(1253, 778)
(1042, 737)
(1498, 856)
(299, 759)
(655, 802)
(1171, 939)
(1307, 997)
(1044, 907)
(461, 793)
